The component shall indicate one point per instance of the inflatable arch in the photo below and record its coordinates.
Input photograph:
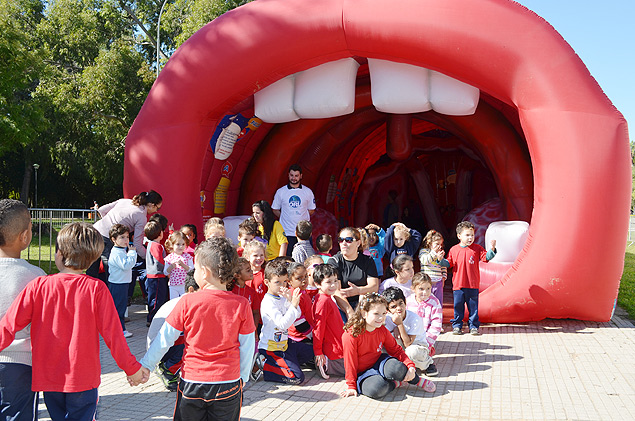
(456, 102)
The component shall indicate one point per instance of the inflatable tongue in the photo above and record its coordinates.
(483, 90)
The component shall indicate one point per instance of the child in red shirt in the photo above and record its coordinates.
(303, 326)
(329, 327)
(254, 251)
(68, 311)
(240, 287)
(218, 330)
(368, 371)
(464, 259)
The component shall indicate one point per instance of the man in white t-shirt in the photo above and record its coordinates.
(293, 203)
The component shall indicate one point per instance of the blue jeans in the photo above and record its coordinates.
(17, 401)
(119, 294)
(80, 406)
(467, 296)
(157, 294)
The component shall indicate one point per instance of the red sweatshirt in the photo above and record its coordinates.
(306, 308)
(67, 313)
(362, 352)
(464, 262)
(329, 327)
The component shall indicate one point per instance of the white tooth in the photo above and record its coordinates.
(327, 90)
(452, 97)
(398, 88)
(274, 104)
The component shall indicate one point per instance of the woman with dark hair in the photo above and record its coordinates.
(271, 230)
(131, 213)
(356, 271)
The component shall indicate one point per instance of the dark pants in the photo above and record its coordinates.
(284, 366)
(119, 294)
(17, 401)
(467, 296)
(79, 406)
(139, 273)
(196, 401)
(293, 240)
(157, 294)
(379, 380)
(173, 356)
(93, 269)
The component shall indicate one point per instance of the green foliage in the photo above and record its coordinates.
(626, 295)
(73, 76)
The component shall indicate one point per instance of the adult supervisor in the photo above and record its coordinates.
(293, 203)
(132, 213)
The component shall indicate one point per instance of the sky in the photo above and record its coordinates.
(602, 33)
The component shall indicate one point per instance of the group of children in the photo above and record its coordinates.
(295, 306)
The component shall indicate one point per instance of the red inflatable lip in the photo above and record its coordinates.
(578, 142)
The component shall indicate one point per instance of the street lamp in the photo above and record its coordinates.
(36, 166)
(159, 36)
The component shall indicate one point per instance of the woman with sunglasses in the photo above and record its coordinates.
(357, 272)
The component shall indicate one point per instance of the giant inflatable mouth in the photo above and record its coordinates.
(555, 146)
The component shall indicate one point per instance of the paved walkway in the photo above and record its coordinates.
(554, 370)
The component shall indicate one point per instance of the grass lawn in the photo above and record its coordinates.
(626, 296)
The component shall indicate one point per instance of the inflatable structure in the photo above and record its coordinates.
(430, 107)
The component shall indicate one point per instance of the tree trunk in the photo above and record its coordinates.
(26, 181)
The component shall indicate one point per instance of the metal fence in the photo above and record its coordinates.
(46, 225)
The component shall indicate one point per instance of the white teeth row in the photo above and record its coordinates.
(328, 90)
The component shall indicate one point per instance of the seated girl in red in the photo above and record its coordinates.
(368, 371)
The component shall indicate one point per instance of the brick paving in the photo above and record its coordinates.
(553, 369)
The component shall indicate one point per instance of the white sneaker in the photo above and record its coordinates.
(127, 334)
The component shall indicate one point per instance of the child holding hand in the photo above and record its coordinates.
(432, 262)
(376, 250)
(302, 328)
(368, 371)
(123, 257)
(401, 240)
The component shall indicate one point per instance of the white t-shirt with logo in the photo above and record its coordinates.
(294, 206)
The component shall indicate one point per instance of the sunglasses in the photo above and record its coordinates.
(347, 239)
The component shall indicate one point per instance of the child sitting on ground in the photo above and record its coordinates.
(218, 330)
(324, 244)
(327, 334)
(428, 307)
(170, 364)
(15, 274)
(279, 309)
(239, 286)
(408, 329)
(376, 236)
(303, 249)
(432, 262)
(301, 329)
(214, 227)
(464, 258)
(68, 311)
(120, 264)
(179, 263)
(401, 240)
(156, 281)
(255, 253)
(404, 271)
(368, 371)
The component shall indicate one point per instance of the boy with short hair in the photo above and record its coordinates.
(247, 231)
(303, 249)
(68, 311)
(156, 282)
(218, 330)
(329, 326)
(430, 309)
(464, 258)
(15, 274)
(324, 244)
(120, 264)
(278, 310)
